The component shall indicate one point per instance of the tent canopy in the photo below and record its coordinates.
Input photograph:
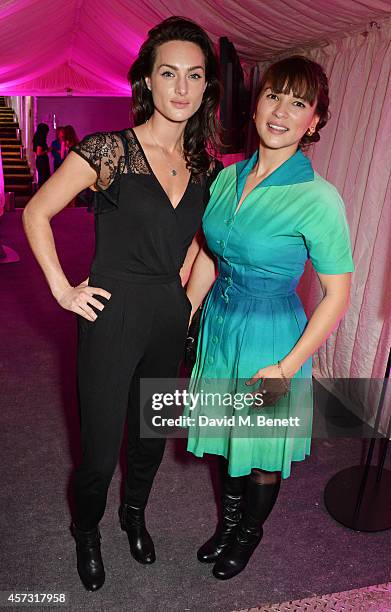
(85, 47)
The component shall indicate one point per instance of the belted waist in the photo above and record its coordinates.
(232, 282)
(135, 277)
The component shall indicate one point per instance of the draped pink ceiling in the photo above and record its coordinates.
(49, 46)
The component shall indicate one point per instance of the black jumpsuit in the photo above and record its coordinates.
(141, 243)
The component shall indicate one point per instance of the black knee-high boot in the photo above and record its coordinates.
(232, 491)
(259, 501)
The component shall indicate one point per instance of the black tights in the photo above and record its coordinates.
(258, 476)
(262, 477)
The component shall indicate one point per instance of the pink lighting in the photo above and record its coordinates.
(47, 46)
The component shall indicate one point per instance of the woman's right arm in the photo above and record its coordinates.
(40, 151)
(74, 175)
(202, 277)
(62, 149)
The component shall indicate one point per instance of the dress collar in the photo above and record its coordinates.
(296, 169)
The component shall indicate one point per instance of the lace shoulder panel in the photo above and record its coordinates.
(104, 151)
(136, 162)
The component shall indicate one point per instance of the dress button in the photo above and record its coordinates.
(215, 339)
(220, 319)
(222, 243)
(210, 360)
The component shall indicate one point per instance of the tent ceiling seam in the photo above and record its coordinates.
(75, 27)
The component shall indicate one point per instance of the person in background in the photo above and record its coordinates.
(57, 147)
(41, 149)
(266, 216)
(70, 139)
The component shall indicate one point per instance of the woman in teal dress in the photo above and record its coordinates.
(266, 216)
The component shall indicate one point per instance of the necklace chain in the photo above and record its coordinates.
(173, 171)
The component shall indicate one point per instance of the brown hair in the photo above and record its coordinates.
(203, 127)
(70, 135)
(307, 80)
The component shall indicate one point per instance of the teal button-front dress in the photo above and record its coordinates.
(253, 317)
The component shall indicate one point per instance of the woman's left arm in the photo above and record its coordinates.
(192, 253)
(326, 316)
(40, 151)
(328, 313)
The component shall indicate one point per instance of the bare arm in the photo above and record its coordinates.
(74, 175)
(202, 277)
(62, 150)
(191, 254)
(328, 313)
(40, 151)
(326, 316)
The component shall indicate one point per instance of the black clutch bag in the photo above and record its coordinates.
(192, 340)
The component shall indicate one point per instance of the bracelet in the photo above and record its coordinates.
(284, 378)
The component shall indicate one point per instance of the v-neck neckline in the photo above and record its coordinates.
(174, 208)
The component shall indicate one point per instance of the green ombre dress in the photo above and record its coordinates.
(253, 317)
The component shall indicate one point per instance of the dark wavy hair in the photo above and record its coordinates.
(39, 138)
(307, 80)
(203, 128)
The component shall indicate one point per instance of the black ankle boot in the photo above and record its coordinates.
(89, 558)
(259, 501)
(232, 491)
(133, 522)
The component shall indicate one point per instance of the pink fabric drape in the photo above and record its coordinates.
(354, 154)
(85, 48)
(50, 46)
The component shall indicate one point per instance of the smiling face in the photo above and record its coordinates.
(282, 119)
(178, 80)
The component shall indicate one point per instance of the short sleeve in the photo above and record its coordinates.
(326, 233)
(104, 152)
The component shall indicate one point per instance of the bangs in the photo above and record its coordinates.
(292, 74)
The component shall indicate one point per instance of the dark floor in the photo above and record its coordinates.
(303, 552)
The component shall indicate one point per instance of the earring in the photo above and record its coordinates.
(310, 131)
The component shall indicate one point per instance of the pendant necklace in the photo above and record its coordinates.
(173, 172)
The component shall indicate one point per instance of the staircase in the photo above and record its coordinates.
(17, 175)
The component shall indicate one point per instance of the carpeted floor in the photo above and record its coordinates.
(376, 598)
(304, 552)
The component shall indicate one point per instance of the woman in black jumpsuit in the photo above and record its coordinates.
(141, 243)
(138, 329)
